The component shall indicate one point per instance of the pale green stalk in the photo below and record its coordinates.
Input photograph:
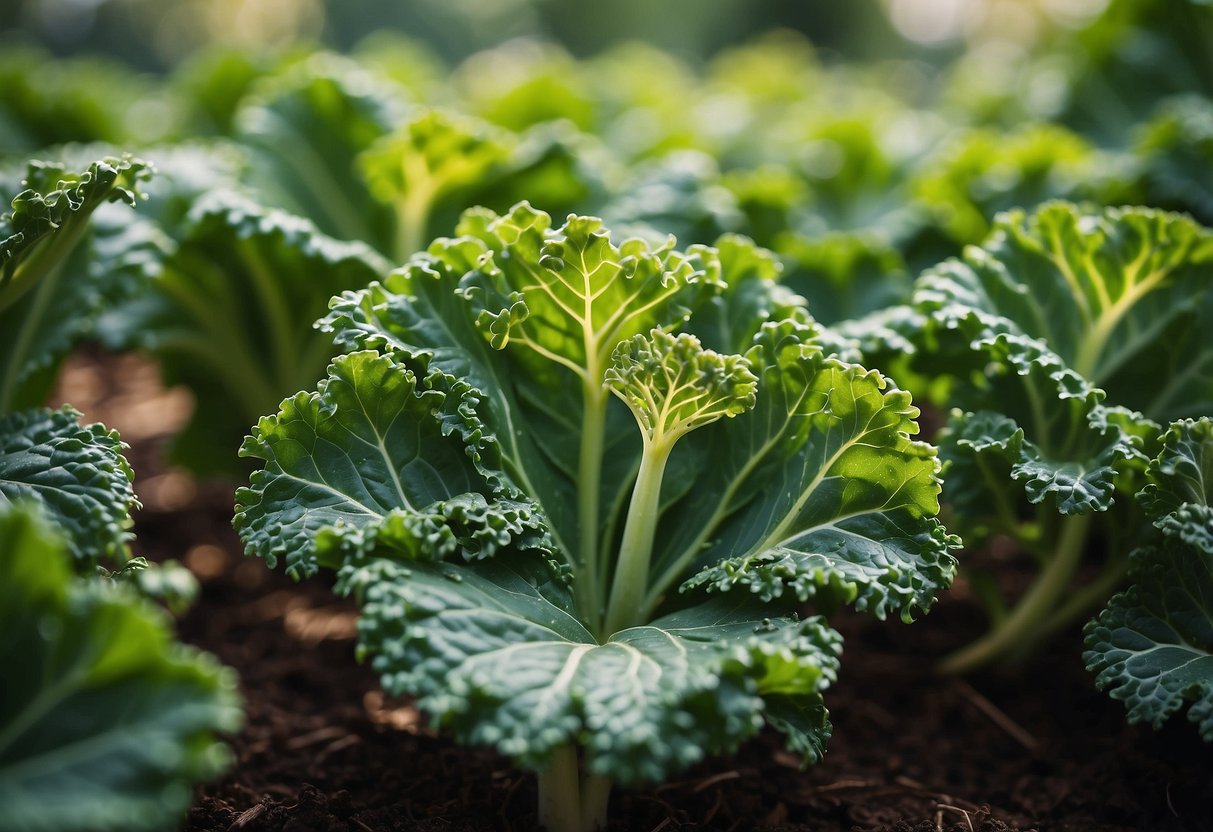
(1025, 622)
(46, 254)
(586, 589)
(569, 802)
(636, 550)
(413, 209)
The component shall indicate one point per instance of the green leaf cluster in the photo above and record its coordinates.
(1152, 646)
(549, 566)
(612, 464)
(106, 722)
(1070, 334)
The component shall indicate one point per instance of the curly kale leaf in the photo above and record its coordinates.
(494, 656)
(1153, 644)
(55, 280)
(1081, 329)
(1100, 291)
(77, 476)
(106, 723)
(1179, 496)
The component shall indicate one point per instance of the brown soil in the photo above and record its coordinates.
(324, 749)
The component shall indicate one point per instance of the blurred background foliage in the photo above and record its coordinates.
(1094, 65)
(862, 141)
(158, 35)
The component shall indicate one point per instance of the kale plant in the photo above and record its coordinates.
(580, 488)
(105, 721)
(1068, 338)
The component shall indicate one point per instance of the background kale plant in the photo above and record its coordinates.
(1067, 338)
(579, 486)
(106, 722)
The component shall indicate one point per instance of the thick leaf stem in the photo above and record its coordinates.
(586, 589)
(1082, 601)
(1024, 625)
(30, 326)
(414, 207)
(636, 549)
(45, 255)
(567, 802)
(595, 796)
(235, 356)
(268, 290)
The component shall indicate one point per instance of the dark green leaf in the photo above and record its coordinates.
(105, 722)
(1153, 644)
(76, 474)
(1179, 496)
(230, 316)
(492, 654)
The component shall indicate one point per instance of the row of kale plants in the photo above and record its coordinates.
(584, 476)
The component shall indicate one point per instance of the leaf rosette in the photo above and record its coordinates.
(1067, 336)
(540, 436)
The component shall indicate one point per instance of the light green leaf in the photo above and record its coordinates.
(305, 128)
(211, 84)
(49, 299)
(1121, 297)
(673, 385)
(1179, 496)
(1153, 644)
(76, 474)
(819, 489)
(553, 165)
(105, 722)
(49, 100)
(432, 158)
(493, 655)
(772, 197)
(986, 171)
(523, 83)
(572, 295)
(856, 176)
